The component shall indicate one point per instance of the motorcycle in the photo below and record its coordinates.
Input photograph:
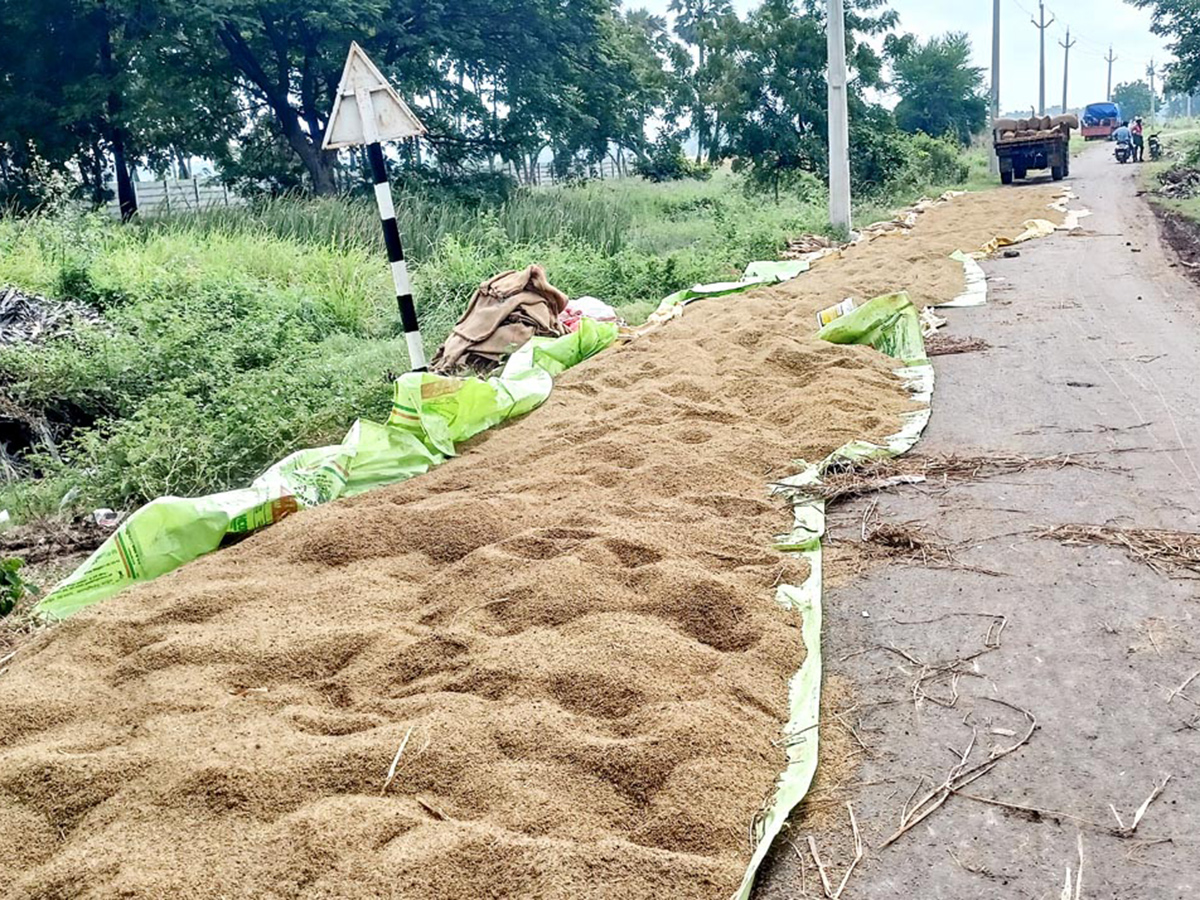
(1155, 147)
(1124, 151)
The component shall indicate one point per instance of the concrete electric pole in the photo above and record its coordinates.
(1111, 59)
(1041, 27)
(839, 124)
(1067, 45)
(1152, 71)
(993, 159)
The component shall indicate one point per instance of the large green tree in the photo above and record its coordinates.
(1133, 97)
(1179, 21)
(940, 91)
(772, 95)
(704, 25)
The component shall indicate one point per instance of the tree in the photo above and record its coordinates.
(703, 24)
(940, 91)
(772, 95)
(1178, 20)
(151, 82)
(1134, 98)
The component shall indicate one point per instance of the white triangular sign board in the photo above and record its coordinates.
(393, 119)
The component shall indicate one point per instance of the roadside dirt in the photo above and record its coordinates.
(552, 667)
(1183, 236)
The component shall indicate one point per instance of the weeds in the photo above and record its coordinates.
(13, 588)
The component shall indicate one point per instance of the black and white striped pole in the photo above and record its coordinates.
(377, 114)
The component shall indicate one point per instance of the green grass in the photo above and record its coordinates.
(234, 337)
(1181, 146)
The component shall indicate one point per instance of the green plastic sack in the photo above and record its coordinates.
(431, 414)
(890, 324)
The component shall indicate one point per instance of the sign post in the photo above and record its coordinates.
(367, 110)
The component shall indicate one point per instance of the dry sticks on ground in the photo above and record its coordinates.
(947, 672)
(962, 774)
(1163, 551)
(858, 855)
(841, 482)
(945, 344)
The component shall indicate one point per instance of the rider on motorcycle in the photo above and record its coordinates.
(1123, 135)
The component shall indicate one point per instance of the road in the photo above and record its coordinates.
(1095, 351)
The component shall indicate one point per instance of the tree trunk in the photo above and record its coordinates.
(317, 162)
(116, 134)
(181, 160)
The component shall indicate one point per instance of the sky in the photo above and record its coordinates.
(1094, 25)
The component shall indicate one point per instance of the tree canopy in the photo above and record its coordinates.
(940, 91)
(1178, 20)
(1133, 97)
(95, 88)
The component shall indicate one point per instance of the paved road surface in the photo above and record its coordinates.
(1096, 349)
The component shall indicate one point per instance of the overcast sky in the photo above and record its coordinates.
(1094, 25)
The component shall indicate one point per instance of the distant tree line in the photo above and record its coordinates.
(95, 88)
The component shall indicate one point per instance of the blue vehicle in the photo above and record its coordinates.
(1099, 121)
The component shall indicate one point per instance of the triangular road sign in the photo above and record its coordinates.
(393, 119)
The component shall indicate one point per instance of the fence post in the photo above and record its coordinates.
(167, 196)
(196, 190)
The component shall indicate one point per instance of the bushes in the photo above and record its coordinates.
(666, 161)
(13, 588)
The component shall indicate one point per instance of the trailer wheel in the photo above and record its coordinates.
(1058, 173)
(1006, 177)
(1067, 164)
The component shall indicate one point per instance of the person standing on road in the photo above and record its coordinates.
(1139, 145)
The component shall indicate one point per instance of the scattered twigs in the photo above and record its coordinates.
(909, 543)
(1067, 894)
(1163, 551)
(391, 774)
(845, 480)
(948, 672)
(1178, 692)
(974, 870)
(812, 848)
(1141, 811)
(859, 852)
(1036, 814)
(946, 344)
(962, 774)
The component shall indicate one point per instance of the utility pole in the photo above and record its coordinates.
(993, 159)
(1066, 65)
(1111, 59)
(839, 124)
(1152, 71)
(1041, 27)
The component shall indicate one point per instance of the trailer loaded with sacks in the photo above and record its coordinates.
(1038, 143)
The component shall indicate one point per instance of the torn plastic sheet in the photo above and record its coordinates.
(890, 324)
(976, 292)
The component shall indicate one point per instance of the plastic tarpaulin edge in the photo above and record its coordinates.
(888, 321)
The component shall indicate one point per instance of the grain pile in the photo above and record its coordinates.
(570, 631)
